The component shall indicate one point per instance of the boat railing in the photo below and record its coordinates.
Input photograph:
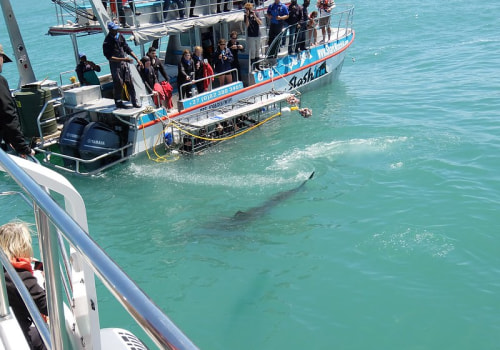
(70, 12)
(86, 167)
(68, 72)
(58, 227)
(210, 79)
(55, 102)
(340, 25)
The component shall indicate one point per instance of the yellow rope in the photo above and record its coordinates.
(176, 125)
(169, 157)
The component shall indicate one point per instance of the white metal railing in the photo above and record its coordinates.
(52, 221)
(340, 24)
(210, 77)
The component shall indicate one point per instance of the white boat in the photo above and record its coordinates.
(65, 139)
(71, 260)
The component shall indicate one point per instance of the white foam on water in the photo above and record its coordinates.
(333, 149)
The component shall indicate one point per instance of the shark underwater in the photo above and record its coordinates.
(262, 209)
(242, 218)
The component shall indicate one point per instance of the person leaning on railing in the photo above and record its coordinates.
(185, 73)
(325, 7)
(222, 59)
(301, 38)
(10, 130)
(15, 241)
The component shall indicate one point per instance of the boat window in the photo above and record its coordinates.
(187, 39)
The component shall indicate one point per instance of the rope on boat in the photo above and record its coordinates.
(169, 157)
(284, 78)
(177, 126)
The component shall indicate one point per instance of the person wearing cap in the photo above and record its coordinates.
(10, 130)
(116, 50)
(86, 66)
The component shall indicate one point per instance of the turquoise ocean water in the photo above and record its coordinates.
(392, 245)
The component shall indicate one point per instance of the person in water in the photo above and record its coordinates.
(10, 129)
(116, 50)
(15, 241)
(86, 66)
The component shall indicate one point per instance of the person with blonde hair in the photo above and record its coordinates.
(253, 22)
(15, 241)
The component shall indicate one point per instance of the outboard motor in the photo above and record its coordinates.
(69, 140)
(98, 139)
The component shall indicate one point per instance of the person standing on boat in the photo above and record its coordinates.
(301, 39)
(311, 28)
(180, 8)
(185, 73)
(226, 6)
(235, 47)
(156, 64)
(121, 11)
(253, 22)
(191, 9)
(116, 49)
(147, 73)
(199, 68)
(158, 68)
(277, 14)
(325, 7)
(222, 63)
(15, 241)
(293, 21)
(87, 66)
(10, 130)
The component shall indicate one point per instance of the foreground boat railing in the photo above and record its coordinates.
(71, 224)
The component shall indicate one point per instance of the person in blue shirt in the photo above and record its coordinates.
(277, 14)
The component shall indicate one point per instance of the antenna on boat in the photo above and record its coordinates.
(26, 74)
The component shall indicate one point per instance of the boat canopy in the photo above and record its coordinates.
(145, 34)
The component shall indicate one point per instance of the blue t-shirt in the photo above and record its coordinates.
(276, 10)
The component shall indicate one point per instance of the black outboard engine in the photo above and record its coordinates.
(69, 140)
(98, 139)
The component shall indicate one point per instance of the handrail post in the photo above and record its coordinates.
(49, 249)
(4, 301)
